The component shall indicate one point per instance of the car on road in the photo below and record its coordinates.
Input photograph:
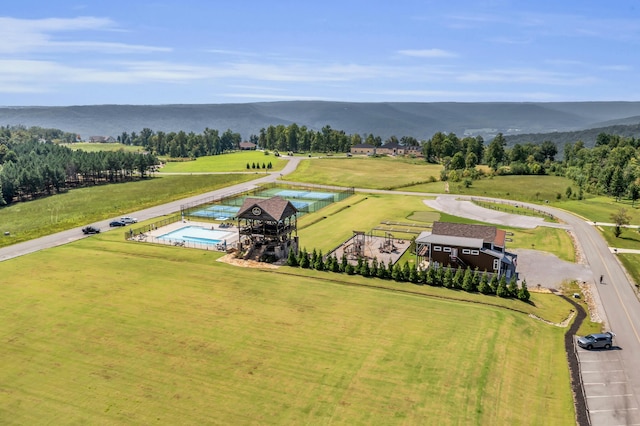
(90, 230)
(117, 223)
(128, 220)
(597, 341)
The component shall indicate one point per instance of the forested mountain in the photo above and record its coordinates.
(588, 136)
(418, 120)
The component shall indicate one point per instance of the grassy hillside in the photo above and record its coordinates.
(136, 333)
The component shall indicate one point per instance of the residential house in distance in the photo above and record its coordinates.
(247, 146)
(363, 149)
(102, 139)
(458, 245)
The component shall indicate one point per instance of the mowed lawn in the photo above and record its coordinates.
(107, 331)
(230, 162)
(47, 215)
(361, 172)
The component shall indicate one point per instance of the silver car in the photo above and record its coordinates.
(597, 341)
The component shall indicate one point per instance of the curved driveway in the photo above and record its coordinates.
(611, 378)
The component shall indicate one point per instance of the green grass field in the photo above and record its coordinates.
(44, 216)
(372, 173)
(231, 162)
(108, 331)
(96, 147)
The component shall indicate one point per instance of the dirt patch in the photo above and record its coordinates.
(231, 259)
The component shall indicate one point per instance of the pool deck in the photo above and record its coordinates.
(158, 232)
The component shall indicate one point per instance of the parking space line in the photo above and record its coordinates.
(613, 409)
(603, 384)
(609, 396)
(602, 371)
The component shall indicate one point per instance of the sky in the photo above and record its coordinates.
(150, 52)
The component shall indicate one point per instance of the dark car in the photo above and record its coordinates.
(596, 341)
(117, 223)
(90, 230)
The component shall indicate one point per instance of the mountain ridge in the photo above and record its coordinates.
(418, 119)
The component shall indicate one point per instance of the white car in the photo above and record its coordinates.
(128, 220)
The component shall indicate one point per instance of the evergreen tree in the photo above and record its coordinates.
(502, 290)
(513, 286)
(335, 265)
(406, 271)
(314, 257)
(447, 279)
(493, 284)
(430, 278)
(439, 276)
(458, 278)
(319, 263)
(484, 287)
(467, 281)
(476, 279)
(349, 269)
(344, 262)
(364, 268)
(304, 259)
(413, 274)
(328, 264)
(523, 293)
(382, 270)
(396, 273)
(292, 260)
(374, 267)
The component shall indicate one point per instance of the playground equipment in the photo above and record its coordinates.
(387, 245)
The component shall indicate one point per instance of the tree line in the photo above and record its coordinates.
(472, 281)
(33, 167)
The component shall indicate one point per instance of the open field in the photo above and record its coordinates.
(138, 333)
(231, 162)
(599, 209)
(77, 207)
(533, 189)
(372, 173)
(96, 147)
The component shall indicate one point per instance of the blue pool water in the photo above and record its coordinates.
(197, 234)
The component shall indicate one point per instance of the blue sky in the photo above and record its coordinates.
(165, 52)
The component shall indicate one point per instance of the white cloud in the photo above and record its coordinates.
(427, 53)
(24, 36)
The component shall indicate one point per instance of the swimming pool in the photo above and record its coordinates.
(197, 234)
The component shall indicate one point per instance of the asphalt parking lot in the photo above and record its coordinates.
(609, 394)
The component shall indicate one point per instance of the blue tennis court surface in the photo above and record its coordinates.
(218, 212)
(308, 195)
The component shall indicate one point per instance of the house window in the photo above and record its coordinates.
(475, 252)
(466, 251)
(447, 249)
(496, 264)
(437, 248)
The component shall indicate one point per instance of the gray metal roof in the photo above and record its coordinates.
(448, 240)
